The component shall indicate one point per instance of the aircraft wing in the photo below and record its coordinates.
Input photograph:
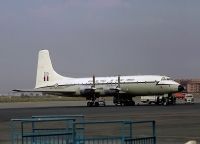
(48, 91)
(116, 89)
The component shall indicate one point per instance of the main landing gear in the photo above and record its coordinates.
(95, 102)
(166, 100)
(91, 103)
(123, 100)
(93, 98)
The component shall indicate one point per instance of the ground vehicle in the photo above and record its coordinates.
(149, 99)
(159, 99)
(189, 98)
(179, 95)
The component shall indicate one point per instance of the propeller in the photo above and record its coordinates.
(118, 86)
(118, 81)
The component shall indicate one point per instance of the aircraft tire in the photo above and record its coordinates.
(122, 103)
(133, 103)
(89, 104)
(96, 104)
(165, 103)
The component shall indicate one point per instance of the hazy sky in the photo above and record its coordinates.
(101, 37)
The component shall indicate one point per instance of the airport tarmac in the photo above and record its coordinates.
(174, 124)
(70, 103)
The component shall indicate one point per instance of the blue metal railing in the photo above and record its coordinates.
(101, 140)
(79, 118)
(73, 131)
(124, 137)
(143, 140)
(28, 133)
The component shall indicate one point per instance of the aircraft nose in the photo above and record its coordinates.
(180, 88)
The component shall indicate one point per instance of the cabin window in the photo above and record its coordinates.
(102, 81)
(130, 79)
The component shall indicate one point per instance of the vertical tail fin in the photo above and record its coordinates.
(46, 76)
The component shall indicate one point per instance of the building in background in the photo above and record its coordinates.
(190, 85)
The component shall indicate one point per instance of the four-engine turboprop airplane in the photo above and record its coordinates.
(122, 88)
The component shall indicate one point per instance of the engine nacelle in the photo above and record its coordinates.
(86, 91)
(111, 92)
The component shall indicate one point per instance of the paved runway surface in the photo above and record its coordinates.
(174, 124)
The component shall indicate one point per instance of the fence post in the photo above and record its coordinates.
(22, 131)
(154, 131)
(12, 131)
(33, 131)
(74, 132)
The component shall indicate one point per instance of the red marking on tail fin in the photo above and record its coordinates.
(46, 76)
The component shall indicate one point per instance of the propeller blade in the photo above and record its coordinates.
(118, 81)
(93, 81)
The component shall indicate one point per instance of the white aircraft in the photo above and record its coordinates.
(122, 88)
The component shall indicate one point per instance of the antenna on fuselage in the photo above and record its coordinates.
(118, 86)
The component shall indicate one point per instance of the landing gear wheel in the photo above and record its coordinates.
(130, 103)
(165, 103)
(96, 104)
(122, 104)
(133, 103)
(89, 104)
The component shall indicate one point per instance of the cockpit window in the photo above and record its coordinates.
(163, 78)
(166, 78)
